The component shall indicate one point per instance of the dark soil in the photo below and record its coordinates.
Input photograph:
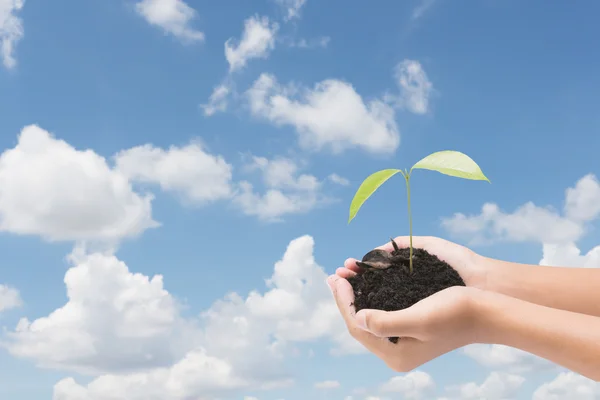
(395, 288)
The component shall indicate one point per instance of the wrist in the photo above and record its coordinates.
(489, 310)
(493, 276)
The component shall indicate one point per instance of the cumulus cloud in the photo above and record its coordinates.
(506, 358)
(172, 16)
(273, 204)
(114, 320)
(258, 40)
(569, 255)
(287, 190)
(582, 202)
(568, 385)
(527, 223)
(281, 173)
(196, 376)
(11, 30)
(497, 386)
(190, 171)
(9, 298)
(50, 189)
(127, 327)
(415, 385)
(299, 305)
(330, 115)
(557, 233)
(200, 178)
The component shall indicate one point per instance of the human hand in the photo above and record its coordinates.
(469, 265)
(436, 325)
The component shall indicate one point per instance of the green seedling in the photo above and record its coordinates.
(447, 162)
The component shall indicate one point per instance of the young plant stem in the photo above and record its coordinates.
(410, 259)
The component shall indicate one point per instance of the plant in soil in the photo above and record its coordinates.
(398, 279)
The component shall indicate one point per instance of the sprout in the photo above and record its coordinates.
(447, 162)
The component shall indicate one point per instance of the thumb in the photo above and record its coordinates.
(387, 323)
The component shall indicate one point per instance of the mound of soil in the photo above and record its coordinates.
(395, 288)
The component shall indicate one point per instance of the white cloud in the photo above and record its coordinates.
(9, 298)
(287, 191)
(273, 204)
(497, 386)
(217, 101)
(569, 255)
(508, 358)
(327, 385)
(114, 320)
(582, 202)
(299, 304)
(190, 171)
(291, 8)
(527, 223)
(568, 385)
(557, 233)
(129, 326)
(11, 30)
(201, 178)
(55, 191)
(196, 376)
(330, 115)
(412, 386)
(335, 178)
(173, 16)
(533, 223)
(258, 39)
(282, 173)
(415, 87)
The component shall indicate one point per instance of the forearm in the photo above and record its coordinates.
(571, 289)
(566, 338)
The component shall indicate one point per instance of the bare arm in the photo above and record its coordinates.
(563, 337)
(565, 288)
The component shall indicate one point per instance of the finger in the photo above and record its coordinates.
(344, 298)
(350, 263)
(402, 323)
(345, 272)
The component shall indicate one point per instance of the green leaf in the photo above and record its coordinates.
(368, 187)
(453, 163)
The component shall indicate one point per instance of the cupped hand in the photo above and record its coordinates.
(470, 265)
(430, 328)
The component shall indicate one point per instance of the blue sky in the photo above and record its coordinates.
(175, 180)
